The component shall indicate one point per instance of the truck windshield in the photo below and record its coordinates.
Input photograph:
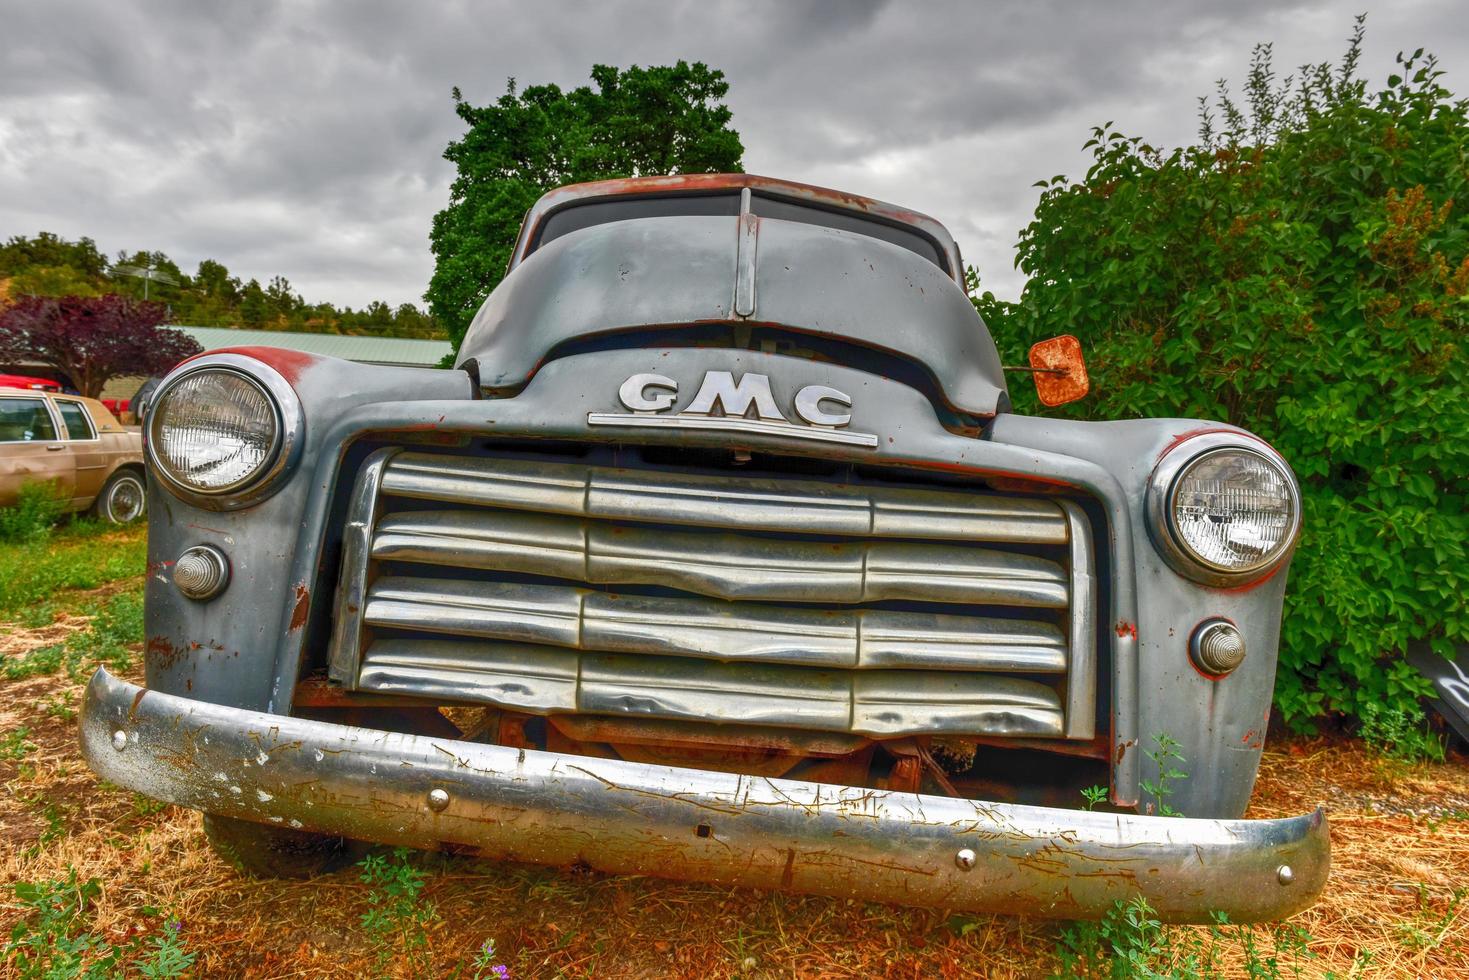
(583, 215)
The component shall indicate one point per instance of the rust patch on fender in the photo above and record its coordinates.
(303, 606)
(161, 651)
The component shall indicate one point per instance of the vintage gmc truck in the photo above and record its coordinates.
(721, 555)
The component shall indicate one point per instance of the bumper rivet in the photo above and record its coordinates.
(437, 800)
(1284, 874)
(119, 740)
(965, 859)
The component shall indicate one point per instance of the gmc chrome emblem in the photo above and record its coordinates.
(727, 405)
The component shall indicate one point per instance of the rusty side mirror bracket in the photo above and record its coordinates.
(1059, 370)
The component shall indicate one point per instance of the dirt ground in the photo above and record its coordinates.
(1392, 907)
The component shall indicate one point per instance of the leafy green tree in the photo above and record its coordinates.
(1302, 271)
(655, 120)
(19, 253)
(255, 305)
(54, 281)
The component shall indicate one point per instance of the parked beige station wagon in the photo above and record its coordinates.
(76, 442)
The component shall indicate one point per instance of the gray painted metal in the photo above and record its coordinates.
(248, 646)
(547, 680)
(719, 573)
(681, 271)
(857, 639)
(730, 566)
(765, 504)
(631, 818)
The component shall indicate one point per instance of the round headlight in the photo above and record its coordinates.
(222, 429)
(1227, 511)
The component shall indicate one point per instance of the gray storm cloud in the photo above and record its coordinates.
(306, 139)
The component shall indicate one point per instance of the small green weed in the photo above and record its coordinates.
(55, 818)
(34, 513)
(398, 919)
(1164, 755)
(14, 745)
(60, 707)
(1400, 735)
(1427, 930)
(1130, 941)
(484, 965)
(146, 806)
(43, 660)
(1094, 795)
(53, 940)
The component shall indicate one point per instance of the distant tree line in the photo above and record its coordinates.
(53, 267)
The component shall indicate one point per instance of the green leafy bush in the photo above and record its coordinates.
(34, 513)
(1303, 272)
(1400, 735)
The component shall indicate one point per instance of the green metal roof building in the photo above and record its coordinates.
(366, 350)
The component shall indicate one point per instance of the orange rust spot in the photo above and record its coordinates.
(161, 651)
(137, 699)
(1061, 354)
(1124, 628)
(303, 605)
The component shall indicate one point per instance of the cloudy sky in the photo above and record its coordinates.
(305, 139)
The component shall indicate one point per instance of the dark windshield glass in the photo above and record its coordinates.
(577, 216)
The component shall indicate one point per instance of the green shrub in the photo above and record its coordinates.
(1303, 272)
(35, 512)
(1400, 735)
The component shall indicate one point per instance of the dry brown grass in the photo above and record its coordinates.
(1400, 840)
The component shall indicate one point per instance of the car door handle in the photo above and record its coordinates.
(55, 447)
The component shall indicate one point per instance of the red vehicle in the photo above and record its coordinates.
(25, 381)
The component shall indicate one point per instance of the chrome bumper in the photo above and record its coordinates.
(631, 818)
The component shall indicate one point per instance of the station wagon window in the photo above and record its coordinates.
(78, 424)
(25, 420)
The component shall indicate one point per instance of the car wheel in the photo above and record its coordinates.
(276, 852)
(123, 500)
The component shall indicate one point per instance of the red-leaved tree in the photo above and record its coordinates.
(92, 338)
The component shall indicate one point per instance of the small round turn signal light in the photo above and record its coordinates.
(1217, 647)
(201, 572)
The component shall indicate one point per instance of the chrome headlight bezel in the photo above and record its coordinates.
(1162, 527)
(285, 449)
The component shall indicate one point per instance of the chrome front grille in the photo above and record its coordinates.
(552, 587)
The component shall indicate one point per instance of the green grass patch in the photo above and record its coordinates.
(116, 627)
(81, 555)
